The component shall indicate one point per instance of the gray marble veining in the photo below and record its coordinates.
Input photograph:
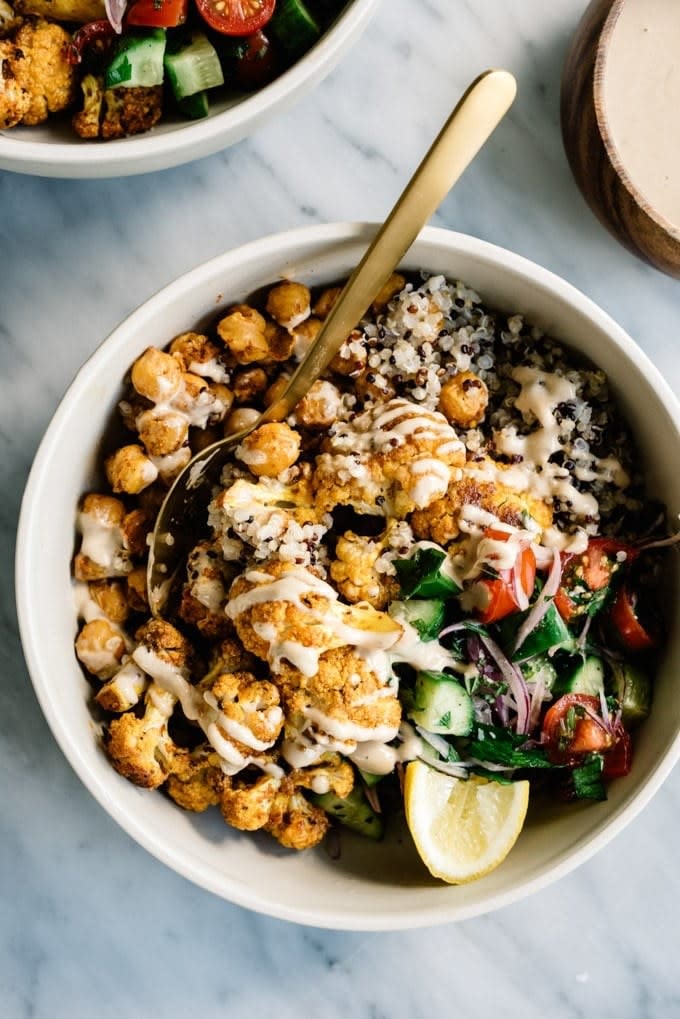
(90, 924)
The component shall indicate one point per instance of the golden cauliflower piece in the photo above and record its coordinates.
(36, 78)
(63, 10)
(250, 715)
(392, 458)
(440, 521)
(332, 774)
(196, 779)
(140, 749)
(166, 643)
(117, 112)
(246, 802)
(362, 572)
(295, 822)
(345, 700)
(271, 517)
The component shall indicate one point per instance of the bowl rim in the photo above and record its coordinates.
(672, 230)
(200, 873)
(190, 141)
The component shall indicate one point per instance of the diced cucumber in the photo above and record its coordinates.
(586, 677)
(426, 615)
(551, 632)
(193, 67)
(421, 576)
(354, 811)
(441, 705)
(293, 27)
(194, 107)
(633, 689)
(539, 669)
(138, 60)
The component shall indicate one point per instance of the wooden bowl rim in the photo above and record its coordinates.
(601, 53)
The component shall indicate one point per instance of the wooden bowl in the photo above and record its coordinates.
(619, 108)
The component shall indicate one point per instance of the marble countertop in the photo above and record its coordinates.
(90, 924)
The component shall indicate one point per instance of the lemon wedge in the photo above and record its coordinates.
(462, 828)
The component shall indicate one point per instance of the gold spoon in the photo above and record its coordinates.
(182, 517)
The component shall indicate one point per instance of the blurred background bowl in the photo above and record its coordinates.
(619, 110)
(372, 886)
(53, 150)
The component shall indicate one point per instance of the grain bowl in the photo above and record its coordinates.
(52, 149)
(372, 885)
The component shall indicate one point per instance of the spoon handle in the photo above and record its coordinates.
(478, 112)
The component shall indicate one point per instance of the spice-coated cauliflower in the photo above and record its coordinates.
(362, 569)
(36, 78)
(116, 112)
(392, 458)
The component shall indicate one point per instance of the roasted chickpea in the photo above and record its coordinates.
(326, 301)
(463, 399)
(289, 304)
(319, 407)
(303, 336)
(352, 357)
(162, 433)
(248, 384)
(281, 342)
(111, 597)
(243, 332)
(270, 449)
(239, 419)
(194, 351)
(156, 375)
(394, 285)
(136, 589)
(130, 470)
(100, 646)
(276, 389)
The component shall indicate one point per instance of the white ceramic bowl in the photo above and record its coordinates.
(372, 886)
(52, 150)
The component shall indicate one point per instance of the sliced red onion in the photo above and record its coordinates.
(436, 741)
(515, 680)
(454, 628)
(536, 704)
(447, 768)
(580, 643)
(521, 597)
(490, 765)
(674, 539)
(542, 603)
(115, 11)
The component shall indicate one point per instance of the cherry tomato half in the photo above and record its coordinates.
(584, 574)
(91, 40)
(157, 13)
(236, 17)
(570, 731)
(500, 591)
(618, 760)
(630, 631)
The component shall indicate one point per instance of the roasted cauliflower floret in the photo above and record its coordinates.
(250, 715)
(344, 700)
(36, 78)
(332, 774)
(360, 571)
(124, 690)
(140, 749)
(392, 458)
(196, 779)
(117, 112)
(271, 517)
(9, 19)
(440, 522)
(246, 802)
(295, 822)
(165, 643)
(63, 10)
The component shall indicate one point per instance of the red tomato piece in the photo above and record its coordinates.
(584, 573)
(573, 727)
(629, 629)
(236, 17)
(618, 760)
(157, 13)
(257, 62)
(498, 594)
(91, 39)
